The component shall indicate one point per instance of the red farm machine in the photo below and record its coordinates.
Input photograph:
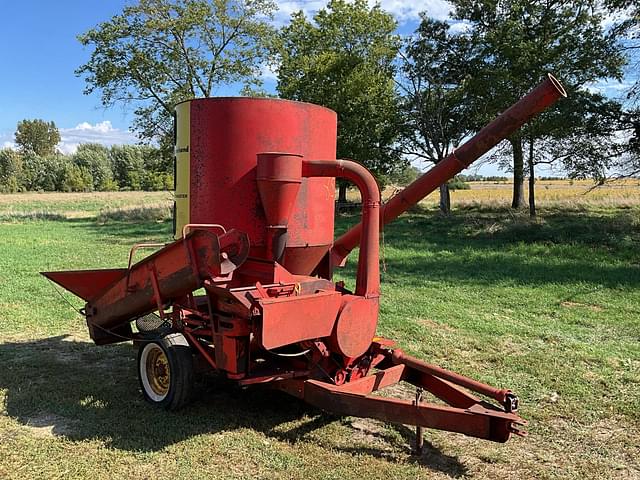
(246, 287)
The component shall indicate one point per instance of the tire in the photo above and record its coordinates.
(165, 371)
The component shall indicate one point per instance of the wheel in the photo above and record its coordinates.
(165, 370)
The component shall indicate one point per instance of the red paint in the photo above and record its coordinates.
(86, 284)
(262, 189)
(226, 136)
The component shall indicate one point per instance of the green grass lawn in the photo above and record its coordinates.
(550, 309)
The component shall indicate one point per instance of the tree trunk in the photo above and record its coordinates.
(532, 182)
(518, 173)
(342, 192)
(445, 199)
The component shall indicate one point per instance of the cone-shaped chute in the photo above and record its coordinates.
(279, 177)
(86, 284)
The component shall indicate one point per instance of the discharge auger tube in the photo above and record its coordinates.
(537, 100)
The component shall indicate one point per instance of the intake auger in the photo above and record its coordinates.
(254, 227)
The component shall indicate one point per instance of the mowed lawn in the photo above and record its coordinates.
(549, 308)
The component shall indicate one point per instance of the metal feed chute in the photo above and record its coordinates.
(254, 222)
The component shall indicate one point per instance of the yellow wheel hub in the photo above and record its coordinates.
(158, 372)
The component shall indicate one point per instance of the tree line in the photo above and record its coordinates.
(399, 98)
(38, 166)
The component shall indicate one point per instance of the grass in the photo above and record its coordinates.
(549, 308)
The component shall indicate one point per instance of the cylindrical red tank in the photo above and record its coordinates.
(217, 143)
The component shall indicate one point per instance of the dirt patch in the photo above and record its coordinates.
(401, 390)
(374, 434)
(49, 425)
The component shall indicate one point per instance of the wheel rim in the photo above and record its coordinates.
(155, 370)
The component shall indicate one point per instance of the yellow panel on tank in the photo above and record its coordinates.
(183, 165)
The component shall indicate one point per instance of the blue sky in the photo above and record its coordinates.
(39, 53)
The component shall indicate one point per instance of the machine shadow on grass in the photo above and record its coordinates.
(84, 392)
(129, 232)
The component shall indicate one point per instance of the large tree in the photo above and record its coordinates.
(344, 59)
(436, 65)
(579, 137)
(628, 28)
(524, 39)
(159, 52)
(37, 136)
(10, 170)
(94, 158)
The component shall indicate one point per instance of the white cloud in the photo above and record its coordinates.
(410, 11)
(402, 10)
(68, 148)
(459, 27)
(610, 88)
(287, 7)
(102, 132)
(103, 127)
(269, 72)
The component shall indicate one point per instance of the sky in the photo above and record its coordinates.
(39, 53)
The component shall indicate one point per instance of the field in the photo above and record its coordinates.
(550, 308)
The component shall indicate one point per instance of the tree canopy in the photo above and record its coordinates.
(157, 53)
(522, 40)
(37, 136)
(344, 59)
(435, 68)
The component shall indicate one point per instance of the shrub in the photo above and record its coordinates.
(76, 179)
(10, 170)
(457, 184)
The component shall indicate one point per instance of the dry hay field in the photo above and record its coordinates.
(572, 194)
(568, 193)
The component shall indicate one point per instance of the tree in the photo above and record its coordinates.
(74, 178)
(581, 137)
(157, 53)
(37, 136)
(404, 177)
(343, 59)
(524, 39)
(10, 170)
(128, 166)
(628, 28)
(436, 66)
(43, 173)
(94, 158)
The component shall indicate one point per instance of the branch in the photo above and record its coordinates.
(151, 91)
